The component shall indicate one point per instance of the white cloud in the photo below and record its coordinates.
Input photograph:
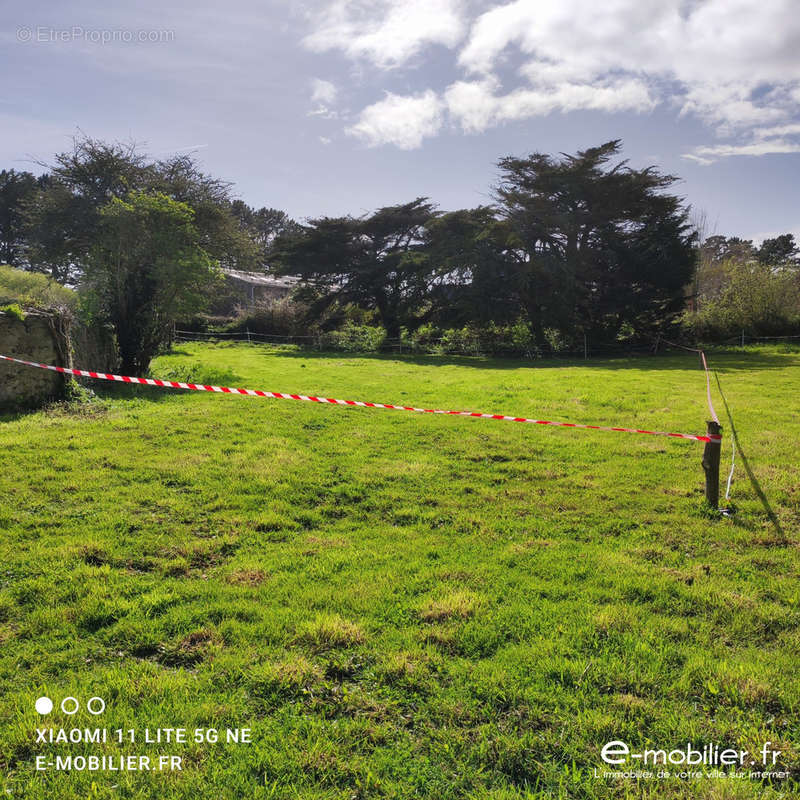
(323, 95)
(323, 92)
(713, 57)
(476, 106)
(389, 32)
(770, 140)
(731, 63)
(708, 154)
(729, 107)
(792, 129)
(473, 103)
(401, 121)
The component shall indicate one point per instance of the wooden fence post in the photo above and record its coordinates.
(711, 457)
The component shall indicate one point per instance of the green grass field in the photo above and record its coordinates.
(401, 605)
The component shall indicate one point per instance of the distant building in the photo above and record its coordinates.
(256, 287)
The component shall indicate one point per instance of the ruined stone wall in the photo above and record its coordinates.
(33, 339)
(93, 348)
(47, 338)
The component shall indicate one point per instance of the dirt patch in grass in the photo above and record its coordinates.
(247, 577)
(190, 650)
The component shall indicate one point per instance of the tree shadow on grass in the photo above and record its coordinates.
(103, 391)
(15, 415)
(773, 518)
(722, 361)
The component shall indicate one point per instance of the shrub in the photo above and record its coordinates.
(459, 341)
(354, 338)
(33, 289)
(514, 339)
(425, 338)
(753, 297)
(284, 317)
(13, 310)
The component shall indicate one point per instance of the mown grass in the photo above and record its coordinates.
(401, 605)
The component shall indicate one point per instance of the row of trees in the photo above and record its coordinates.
(573, 245)
(738, 287)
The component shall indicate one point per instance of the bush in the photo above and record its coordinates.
(34, 290)
(752, 297)
(284, 317)
(354, 338)
(515, 339)
(459, 341)
(13, 310)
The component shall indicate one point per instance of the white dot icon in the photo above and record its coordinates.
(44, 705)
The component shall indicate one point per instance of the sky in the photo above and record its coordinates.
(342, 106)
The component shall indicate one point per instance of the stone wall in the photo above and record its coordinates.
(93, 348)
(43, 337)
(33, 339)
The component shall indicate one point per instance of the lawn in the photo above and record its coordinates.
(396, 604)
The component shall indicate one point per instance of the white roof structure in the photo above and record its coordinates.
(260, 279)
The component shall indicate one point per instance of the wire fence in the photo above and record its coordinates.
(463, 346)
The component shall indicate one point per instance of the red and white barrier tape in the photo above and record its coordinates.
(106, 376)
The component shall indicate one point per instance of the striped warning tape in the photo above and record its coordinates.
(107, 376)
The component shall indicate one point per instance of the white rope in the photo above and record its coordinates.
(733, 464)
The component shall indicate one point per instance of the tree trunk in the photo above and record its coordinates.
(392, 328)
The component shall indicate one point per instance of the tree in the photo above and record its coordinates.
(66, 214)
(65, 220)
(603, 247)
(146, 266)
(754, 297)
(727, 248)
(477, 269)
(16, 192)
(210, 198)
(376, 262)
(780, 251)
(264, 226)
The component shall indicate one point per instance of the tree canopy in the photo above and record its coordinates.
(17, 190)
(602, 246)
(146, 265)
(65, 218)
(377, 261)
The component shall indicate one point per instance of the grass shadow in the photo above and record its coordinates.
(126, 391)
(756, 361)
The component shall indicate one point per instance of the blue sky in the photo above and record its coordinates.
(342, 106)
